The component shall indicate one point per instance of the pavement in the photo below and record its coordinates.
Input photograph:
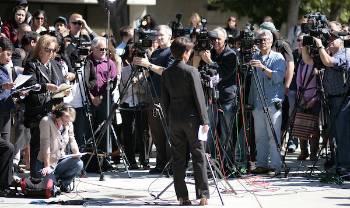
(297, 190)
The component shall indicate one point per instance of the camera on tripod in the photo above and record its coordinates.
(143, 39)
(210, 78)
(177, 28)
(247, 47)
(203, 40)
(316, 26)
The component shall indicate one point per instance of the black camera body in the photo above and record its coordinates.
(247, 45)
(177, 28)
(143, 39)
(210, 78)
(316, 26)
(203, 40)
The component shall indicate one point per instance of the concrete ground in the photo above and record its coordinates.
(118, 190)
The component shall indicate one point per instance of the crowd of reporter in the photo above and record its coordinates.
(44, 124)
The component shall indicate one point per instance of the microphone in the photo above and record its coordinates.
(35, 87)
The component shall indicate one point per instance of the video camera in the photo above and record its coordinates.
(247, 47)
(316, 26)
(177, 28)
(210, 78)
(143, 39)
(203, 41)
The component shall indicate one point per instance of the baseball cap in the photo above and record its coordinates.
(22, 2)
(268, 26)
(61, 19)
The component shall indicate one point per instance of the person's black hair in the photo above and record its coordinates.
(151, 23)
(6, 44)
(39, 12)
(179, 46)
(28, 37)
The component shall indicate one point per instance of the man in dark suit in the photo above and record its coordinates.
(183, 101)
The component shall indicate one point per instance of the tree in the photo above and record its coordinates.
(255, 10)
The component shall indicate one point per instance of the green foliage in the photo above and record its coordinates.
(256, 10)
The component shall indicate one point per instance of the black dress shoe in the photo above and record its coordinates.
(184, 202)
(65, 189)
(155, 170)
(134, 166)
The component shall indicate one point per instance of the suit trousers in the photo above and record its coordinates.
(159, 138)
(6, 163)
(34, 150)
(134, 129)
(184, 137)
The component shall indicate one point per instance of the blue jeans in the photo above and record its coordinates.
(265, 143)
(66, 170)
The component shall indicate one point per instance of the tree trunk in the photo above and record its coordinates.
(335, 10)
(293, 13)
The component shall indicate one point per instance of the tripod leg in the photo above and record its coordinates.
(164, 190)
(214, 178)
(125, 160)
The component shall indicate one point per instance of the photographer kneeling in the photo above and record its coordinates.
(270, 68)
(336, 88)
(56, 132)
(184, 106)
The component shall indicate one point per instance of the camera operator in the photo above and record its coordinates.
(134, 113)
(270, 67)
(335, 84)
(224, 59)
(184, 105)
(281, 46)
(160, 59)
(79, 33)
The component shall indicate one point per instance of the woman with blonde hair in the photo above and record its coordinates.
(195, 20)
(38, 103)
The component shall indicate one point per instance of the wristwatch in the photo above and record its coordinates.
(150, 67)
(321, 47)
(263, 69)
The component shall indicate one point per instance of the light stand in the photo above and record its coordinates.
(108, 4)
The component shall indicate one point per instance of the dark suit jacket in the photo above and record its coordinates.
(37, 102)
(182, 95)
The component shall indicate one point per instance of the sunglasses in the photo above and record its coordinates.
(77, 23)
(50, 50)
(103, 49)
(39, 18)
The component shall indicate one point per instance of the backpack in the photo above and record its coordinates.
(40, 188)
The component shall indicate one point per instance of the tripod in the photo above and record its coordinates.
(86, 105)
(108, 123)
(210, 163)
(263, 101)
